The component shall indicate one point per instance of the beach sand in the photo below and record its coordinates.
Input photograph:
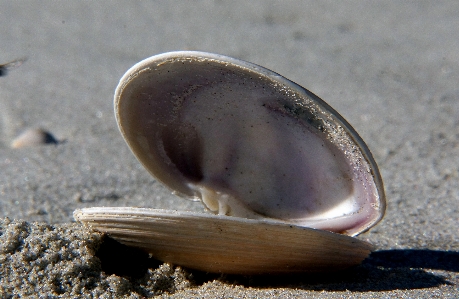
(390, 68)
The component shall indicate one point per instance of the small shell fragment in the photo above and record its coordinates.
(226, 244)
(4, 68)
(33, 137)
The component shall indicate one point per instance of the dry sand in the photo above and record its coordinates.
(390, 68)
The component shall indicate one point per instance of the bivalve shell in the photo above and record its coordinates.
(288, 178)
(226, 244)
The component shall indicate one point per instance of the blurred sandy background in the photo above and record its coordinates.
(390, 68)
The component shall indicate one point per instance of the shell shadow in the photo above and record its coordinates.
(416, 258)
(122, 260)
(384, 270)
(50, 139)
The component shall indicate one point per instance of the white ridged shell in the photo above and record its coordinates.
(227, 244)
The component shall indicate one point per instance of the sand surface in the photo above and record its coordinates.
(390, 68)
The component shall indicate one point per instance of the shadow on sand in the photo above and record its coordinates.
(383, 271)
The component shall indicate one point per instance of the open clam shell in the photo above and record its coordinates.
(249, 144)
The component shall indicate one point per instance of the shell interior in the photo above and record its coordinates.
(248, 142)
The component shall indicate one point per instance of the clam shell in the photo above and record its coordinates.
(247, 142)
(289, 178)
(226, 244)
